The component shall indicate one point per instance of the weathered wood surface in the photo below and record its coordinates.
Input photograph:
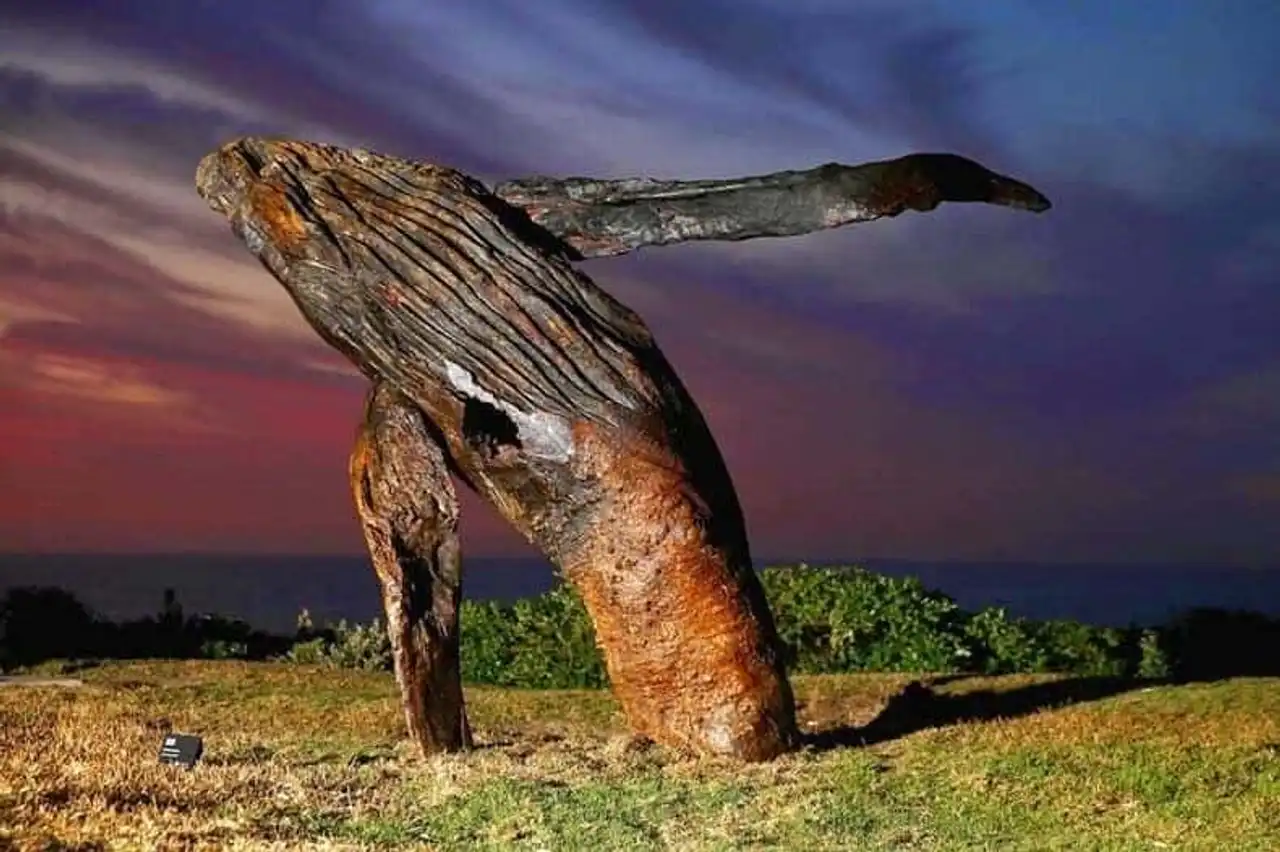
(598, 217)
(551, 399)
(408, 512)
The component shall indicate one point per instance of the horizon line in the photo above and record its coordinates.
(758, 561)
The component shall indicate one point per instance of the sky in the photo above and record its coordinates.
(1098, 383)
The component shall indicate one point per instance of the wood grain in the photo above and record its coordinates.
(550, 399)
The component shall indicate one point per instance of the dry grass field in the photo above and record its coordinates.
(311, 758)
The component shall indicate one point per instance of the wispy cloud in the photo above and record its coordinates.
(968, 381)
(81, 63)
(96, 382)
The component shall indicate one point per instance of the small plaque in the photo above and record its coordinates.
(182, 749)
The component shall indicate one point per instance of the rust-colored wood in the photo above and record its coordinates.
(551, 399)
(409, 515)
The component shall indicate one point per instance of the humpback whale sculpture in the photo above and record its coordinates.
(494, 360)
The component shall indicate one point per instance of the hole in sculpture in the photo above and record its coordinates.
(488, 429)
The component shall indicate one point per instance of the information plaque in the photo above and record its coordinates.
(182, 749)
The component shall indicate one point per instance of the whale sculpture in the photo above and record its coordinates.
(493, 359)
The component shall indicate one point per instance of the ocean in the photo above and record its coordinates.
(269, 591)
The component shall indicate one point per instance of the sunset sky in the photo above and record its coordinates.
(1099, 383)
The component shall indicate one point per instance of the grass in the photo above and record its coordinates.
(310, 758)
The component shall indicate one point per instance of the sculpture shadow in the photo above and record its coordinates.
(919, 707)
(1201, 645)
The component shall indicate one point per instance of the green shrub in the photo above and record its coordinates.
(224, 649)
(849, 619)
(1153, 662)
(348, 646)
(1082, 649)
(309, 652)
(43, 622)
(1208, 642)
(487, 643)
(1001, 645)
(545, 642)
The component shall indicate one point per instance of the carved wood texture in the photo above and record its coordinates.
(496, 360)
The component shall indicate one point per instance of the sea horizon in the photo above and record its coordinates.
(269, 590)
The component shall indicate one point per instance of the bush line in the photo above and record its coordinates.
(831, 620)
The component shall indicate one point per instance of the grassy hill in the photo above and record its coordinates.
(303, 757)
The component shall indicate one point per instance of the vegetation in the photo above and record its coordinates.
(831, 620)
(311, 757)
(45, 623)
(1023, 735)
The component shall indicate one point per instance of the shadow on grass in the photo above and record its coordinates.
(1202, 645)
(918, 707)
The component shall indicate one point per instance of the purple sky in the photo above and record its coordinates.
(1098, 383)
